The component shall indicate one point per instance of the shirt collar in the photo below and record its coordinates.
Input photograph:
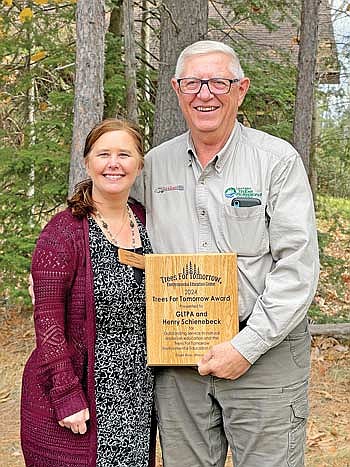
(223, 155)
(229, 150)
(190, 149)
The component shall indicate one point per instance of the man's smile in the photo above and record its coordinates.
(201, 108)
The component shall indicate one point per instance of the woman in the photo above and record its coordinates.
(87, 393)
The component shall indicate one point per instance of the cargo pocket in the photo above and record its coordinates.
(297, 434)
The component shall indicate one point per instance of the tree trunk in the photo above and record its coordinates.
(182, 23)
(130, 60)
(340, 330)
(146, 46)
(315, 134)
(114, 49)
(88, 99)
(302, 128)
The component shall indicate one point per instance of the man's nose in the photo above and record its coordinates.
(204, 92)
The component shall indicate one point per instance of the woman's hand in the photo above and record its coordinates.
(76, 422)
(31, 288)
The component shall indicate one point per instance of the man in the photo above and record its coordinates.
(222, 187)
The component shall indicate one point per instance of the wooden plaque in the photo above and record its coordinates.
(191, 305)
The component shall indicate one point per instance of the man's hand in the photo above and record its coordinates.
(223, 361)
(76, 422)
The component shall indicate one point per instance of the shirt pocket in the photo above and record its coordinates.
(244, 230)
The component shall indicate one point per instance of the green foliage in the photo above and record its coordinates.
(36, 79)
(333, 156)
(268, 13)
(146, 79)
(333, 145)
(37, 56)
(331, 303)
(115, 89)
(42, 168)
(269, 103)
(114, 83)
(334, 209)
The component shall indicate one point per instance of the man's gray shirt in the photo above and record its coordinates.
(254, 199)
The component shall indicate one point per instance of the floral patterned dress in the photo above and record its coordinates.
(124, 385)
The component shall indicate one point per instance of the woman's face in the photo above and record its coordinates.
(113, 164)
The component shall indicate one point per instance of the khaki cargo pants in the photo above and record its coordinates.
(260, 416)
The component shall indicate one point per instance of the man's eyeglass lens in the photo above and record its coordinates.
(215, 85)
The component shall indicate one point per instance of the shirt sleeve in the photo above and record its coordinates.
(53, 271)
(138, 189)
(291, 284)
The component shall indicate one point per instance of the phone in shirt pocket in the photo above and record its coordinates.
(245, 202)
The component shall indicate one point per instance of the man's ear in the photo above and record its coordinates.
(175, 85)
(243, 89)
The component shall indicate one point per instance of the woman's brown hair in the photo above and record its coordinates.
(81, 202)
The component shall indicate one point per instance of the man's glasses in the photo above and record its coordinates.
(215, 85)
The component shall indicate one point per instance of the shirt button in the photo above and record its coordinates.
(202, 212)
(205, 244)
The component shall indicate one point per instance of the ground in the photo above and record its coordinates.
(328, 441)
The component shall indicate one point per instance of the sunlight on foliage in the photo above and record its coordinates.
(26, 15)
(43, 106)
(64, 1)
(38, 56)
(41, 2)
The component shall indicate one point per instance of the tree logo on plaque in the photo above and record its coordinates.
(191, 303)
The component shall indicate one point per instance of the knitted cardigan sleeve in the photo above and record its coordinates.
(53, 268)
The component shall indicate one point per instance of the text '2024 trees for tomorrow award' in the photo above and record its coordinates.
(191, 305)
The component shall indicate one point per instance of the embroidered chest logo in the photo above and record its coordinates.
(243, 196)
(164, 188)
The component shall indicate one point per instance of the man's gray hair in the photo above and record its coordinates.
(207, 47)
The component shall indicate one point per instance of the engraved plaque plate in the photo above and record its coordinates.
(191, 305)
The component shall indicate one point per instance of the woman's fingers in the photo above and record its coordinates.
(82, 428)
(76, 422)
(75, 429)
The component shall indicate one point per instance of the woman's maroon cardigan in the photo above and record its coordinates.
(58, 378)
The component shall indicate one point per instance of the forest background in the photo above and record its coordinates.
(38, 90)
(37, 56)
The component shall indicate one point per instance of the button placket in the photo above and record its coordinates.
(202, 211)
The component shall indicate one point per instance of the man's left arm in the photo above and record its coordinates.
(290, 285)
